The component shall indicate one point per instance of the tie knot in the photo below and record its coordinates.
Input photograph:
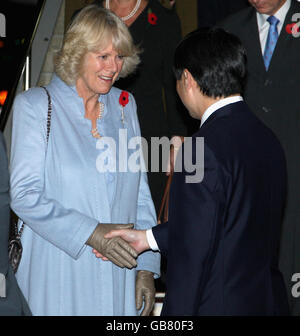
(273, 20)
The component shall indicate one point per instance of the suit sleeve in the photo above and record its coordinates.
(194, 231)
(67, 229)
(160, 233)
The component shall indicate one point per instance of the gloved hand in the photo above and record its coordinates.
(144, 291)
(115, 249)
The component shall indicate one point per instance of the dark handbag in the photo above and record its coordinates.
(15, 248)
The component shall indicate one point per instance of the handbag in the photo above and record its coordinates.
(15, 248)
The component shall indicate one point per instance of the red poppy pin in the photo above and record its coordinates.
(292, 28)
(152, 18)
(123, 100)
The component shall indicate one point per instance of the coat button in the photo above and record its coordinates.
(265, 109)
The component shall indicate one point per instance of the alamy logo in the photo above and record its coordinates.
(2, 25)
(130, 155)
(296, 286)
(294, 28)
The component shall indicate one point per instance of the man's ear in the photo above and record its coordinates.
(187, 78)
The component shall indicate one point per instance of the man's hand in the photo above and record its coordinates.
(114, 249)
(136, 238)
(144, 291)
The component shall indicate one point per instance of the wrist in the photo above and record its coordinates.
(91, 238)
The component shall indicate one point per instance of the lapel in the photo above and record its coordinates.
(283, 40)
(253, 43)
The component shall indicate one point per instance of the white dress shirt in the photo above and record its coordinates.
(263, 24)
(208, 112)
(219, 104)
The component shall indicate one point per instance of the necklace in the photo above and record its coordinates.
(94, 130)
(131, 14)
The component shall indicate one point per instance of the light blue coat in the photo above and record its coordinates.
(60, 194)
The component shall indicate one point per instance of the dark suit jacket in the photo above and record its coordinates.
(14, 303)
(274, 96)
(223, 233)
(212, 11)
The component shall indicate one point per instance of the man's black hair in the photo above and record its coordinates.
(216, 59)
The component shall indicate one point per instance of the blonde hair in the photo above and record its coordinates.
(92, 30)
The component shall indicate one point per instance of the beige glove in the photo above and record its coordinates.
(144, 291)
(115, 249)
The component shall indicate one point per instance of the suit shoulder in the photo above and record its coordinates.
(236, 20)
(296, 4)
(165, 16)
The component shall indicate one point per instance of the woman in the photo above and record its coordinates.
(59, 190)
(156, 30)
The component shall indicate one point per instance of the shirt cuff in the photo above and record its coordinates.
(151, 240)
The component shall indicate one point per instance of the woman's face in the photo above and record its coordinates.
(100, 70)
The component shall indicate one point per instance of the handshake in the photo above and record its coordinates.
(118, 243)
(122, 246)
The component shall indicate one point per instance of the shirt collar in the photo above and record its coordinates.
(219, 104)
(280, 14)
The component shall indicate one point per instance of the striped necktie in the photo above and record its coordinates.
(271, 40)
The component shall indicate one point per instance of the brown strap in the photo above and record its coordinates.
(164, 207)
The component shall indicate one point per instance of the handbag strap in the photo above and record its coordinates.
(49, 113)
(19, 234)
(164, 207)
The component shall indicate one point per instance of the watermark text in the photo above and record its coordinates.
(2, 25)
(131, 155)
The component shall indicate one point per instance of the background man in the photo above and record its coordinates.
(272, 93)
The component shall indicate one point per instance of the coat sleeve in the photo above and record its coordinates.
(195, 227)
(67, 229)
(146, 216)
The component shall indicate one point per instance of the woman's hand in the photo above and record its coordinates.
(115, 249)
(144, 291)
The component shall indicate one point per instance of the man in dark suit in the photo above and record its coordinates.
(222, 236)
(12, 301)
(272, 93)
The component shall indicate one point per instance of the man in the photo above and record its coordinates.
(222, 236)
(272, 93)
(12, 301)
